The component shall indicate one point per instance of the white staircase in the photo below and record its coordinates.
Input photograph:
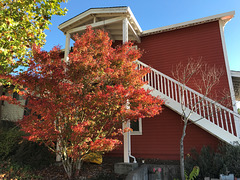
(206, 113)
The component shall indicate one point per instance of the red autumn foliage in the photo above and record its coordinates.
(82, 103)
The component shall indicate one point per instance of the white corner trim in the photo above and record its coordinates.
(221, 28)
(229, 76)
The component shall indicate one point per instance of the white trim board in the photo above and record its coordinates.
(230, 83)
(111, 11)
(224, 16)
(92, 11)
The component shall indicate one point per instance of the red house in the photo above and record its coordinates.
(165, 47)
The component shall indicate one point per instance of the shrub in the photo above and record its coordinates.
(212, 164)
(34, 155)
(9, 139)
(231, 158)
(20, 151)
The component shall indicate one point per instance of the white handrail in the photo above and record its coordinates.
(210, 109)
(186, 87)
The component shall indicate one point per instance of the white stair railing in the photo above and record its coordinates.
(193, 100)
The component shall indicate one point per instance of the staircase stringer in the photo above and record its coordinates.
(203, 123)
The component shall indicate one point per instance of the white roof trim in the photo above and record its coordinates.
(92, 11)
(224, 16)
(132, 17)
(111, 10)
(235, 74)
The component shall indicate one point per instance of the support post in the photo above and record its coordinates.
(126, 142)
(67, 46)
(126, 135)
(125, 30)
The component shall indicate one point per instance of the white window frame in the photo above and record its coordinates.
(139, 132)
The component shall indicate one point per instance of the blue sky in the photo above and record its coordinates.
(157, 13)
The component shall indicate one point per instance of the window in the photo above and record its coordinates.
(137, 127)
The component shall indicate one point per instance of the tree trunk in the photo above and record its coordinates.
(68, 168)
(78, 167)
(72, 168)
(182, 151)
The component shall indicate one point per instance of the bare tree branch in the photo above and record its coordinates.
(205, 77)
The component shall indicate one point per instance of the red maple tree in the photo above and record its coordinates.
(81, 103)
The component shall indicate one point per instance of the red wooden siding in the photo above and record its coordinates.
(164, 50)
(161, 138)
(161, 134)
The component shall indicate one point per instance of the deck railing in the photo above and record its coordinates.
(193, 100)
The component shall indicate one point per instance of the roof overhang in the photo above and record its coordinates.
(225, 17)
(109, 19)
(236, 83)
(235, 74)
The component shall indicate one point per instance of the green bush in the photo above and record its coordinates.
(7, 124)
(204, 160)
(212, 164)
(231, 158)
(20, 151)
(9, 140)
(34, 155)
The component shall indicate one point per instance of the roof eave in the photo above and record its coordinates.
(132, 17)
(224, 17)
(235, 74)
(92, 11)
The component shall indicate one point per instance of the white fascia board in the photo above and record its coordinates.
(93, 11)
(235, 74)
(224, 16)
(132, 18)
